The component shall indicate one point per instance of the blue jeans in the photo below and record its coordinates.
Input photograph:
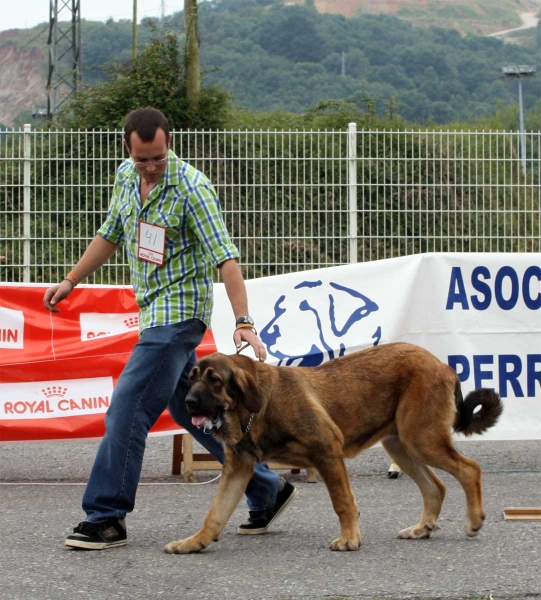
(155, 377)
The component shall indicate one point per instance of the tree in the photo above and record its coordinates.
(155, 77)
(291, 32)
(191, 52)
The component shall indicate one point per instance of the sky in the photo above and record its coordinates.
(28, 13)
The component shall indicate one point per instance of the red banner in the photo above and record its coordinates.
(58, 370)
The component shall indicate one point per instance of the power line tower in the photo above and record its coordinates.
(64, 42)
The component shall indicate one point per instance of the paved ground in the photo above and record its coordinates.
(40, 499)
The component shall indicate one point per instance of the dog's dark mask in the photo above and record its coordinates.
(202, 399)
(215, 389)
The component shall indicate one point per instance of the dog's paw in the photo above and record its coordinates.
(473, 530)
(417, 532)
(187, 546)
(343, 544)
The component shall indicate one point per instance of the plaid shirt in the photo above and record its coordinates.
(185, 204)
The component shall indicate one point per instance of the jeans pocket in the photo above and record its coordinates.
(194, 332)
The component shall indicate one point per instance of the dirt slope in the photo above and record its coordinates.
(23, 78)
(480, 17)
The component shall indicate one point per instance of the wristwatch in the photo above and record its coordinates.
(245, 321)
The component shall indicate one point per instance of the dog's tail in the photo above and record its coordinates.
(469, 422)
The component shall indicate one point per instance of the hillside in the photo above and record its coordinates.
(23, 77)
(478, 17)
(292, 69)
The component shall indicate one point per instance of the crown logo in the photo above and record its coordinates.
(54, 391)
(131, 322)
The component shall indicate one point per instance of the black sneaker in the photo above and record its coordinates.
(260, 521)
(98, 536)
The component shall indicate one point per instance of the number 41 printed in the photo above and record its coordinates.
(151, 245)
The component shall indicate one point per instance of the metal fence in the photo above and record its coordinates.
(292, 200)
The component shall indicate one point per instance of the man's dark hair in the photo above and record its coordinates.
(145, 122)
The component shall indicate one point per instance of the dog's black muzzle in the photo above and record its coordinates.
(192, 404)
(200, 402)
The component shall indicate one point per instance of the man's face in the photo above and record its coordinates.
(143, 153)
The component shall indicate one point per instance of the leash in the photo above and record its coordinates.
(239, 350)
(244, 326)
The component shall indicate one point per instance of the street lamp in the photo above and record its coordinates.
(40, 113)
(519, 72)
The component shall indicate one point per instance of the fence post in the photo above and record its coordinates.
(352, 192)
(26, 203)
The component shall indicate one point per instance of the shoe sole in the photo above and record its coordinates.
(82, 545)
(261, 530)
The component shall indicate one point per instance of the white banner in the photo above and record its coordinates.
(478, 312)
(43, 400)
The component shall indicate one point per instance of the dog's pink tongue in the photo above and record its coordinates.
(198, 421)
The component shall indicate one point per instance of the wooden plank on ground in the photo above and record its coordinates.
(522, 514)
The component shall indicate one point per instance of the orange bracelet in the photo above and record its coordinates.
(72, 274)
(246, 326)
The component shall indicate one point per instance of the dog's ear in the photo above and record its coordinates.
(244, 387)
(194, 374)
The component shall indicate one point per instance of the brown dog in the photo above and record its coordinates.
(398, 394)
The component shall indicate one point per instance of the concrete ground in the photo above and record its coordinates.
(40, 491)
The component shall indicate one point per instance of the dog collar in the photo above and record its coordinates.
(249, 423)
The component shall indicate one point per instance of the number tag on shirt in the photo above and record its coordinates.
(151, 243)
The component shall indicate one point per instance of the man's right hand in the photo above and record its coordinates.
(56, 294)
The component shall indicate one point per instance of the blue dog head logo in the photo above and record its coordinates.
(317, 322)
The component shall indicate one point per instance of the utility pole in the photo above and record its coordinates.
(64, 42)
(191, 52)
(519, 72)
(134, 31)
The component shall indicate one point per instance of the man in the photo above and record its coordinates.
(167, 216)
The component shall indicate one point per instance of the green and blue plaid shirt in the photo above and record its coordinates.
(184, 202)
